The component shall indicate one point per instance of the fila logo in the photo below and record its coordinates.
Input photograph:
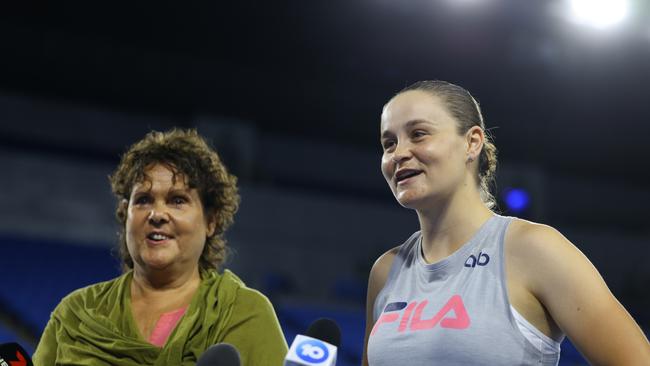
(393, 310)
(482, 260)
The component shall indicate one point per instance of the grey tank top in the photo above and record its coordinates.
(453, 312)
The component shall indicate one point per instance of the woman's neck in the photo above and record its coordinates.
(450, 224)
(154, 286)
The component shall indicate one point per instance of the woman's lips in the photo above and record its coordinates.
(157, 242)
(408, 179)
(158, 238)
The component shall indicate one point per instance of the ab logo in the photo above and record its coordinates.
(482, 260)
(392, 314)
(313, 351)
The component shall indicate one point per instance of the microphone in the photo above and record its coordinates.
(326, 330)
(221, 354)
(318, 347)
(12, 354)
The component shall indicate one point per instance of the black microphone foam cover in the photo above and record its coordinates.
(326, 330)
(221, 354)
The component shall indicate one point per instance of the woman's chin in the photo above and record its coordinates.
(409, 199)
(157, 263)
(410, 203)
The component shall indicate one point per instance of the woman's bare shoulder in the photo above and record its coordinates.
(382, 265)
(527, 238)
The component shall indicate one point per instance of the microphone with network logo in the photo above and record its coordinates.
(12, 354)
(318, 347)
(221, 354)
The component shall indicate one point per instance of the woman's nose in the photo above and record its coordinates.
(402, 152)
(158, 216)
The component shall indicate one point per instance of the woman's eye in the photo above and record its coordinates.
(179, 200)
(142, 200)
(387, 144)
(418, 133)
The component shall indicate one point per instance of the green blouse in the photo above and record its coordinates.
(94, 326)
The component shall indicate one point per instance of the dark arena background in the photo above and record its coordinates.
(290, 94)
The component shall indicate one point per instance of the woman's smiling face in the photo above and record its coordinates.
(424, 156)
(166, 227)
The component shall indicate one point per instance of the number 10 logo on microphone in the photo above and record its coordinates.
(308, 351)
(312, 351)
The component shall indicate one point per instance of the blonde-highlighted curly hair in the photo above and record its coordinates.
(188, 156)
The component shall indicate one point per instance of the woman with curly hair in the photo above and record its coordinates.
(472, 287)
(175, 201)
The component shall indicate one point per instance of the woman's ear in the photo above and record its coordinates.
(122, 209)
(212, 225)
(475, 137)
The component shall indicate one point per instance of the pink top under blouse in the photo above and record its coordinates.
(165, 326)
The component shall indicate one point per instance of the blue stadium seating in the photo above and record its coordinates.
(39, 274)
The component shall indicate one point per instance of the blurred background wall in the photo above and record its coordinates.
(290, 95)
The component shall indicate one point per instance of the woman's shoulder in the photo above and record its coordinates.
(233, 290)
(381, 268)
(246, 294)
(382, 265)
(524, 235)
(536, 247)
(252, 299)
(385, 261)
(91, 295)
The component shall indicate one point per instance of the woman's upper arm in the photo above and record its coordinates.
(46, 349)
(255, 331)
(376, 281)
(578, 299)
